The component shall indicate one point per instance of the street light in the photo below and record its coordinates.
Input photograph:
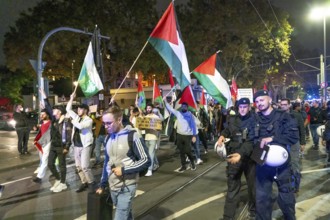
(316, 14)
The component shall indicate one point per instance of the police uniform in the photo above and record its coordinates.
(283, 129)
(240, 130)
(326, 134)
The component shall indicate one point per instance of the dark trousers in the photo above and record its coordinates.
(328, 151)
(183, 142)
(234, 174)
(265, 177)
(53, 154)
(23, 139)
(202, 137)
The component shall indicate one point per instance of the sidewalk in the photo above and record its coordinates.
(10, 159)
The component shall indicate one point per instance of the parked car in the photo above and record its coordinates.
(7, 121)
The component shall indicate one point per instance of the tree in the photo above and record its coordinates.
(127, 27)
(232, 26)
(235, 28)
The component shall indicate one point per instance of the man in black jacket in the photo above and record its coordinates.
(22, 129)
(60, 142)
(274, 127)
(294, 149)
(317, 116)
(240, 130)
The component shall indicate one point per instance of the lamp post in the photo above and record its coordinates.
(318, 13)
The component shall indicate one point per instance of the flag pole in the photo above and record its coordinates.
(76, 86)
(130, 68)
(172, 90)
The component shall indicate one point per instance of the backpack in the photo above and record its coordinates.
(131, 144)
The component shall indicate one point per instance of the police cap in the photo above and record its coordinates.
(243, 101)
(260, 93)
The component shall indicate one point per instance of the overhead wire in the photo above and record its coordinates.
(273, 37)
(279, 24)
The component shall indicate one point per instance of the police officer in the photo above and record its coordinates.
(240, 130)
(274, 126)
(326, 134)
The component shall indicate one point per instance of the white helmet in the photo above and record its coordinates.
(221, 149)
(320, 129)
(276, 156)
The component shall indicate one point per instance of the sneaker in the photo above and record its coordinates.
(182, 169)
(37, 170)
(156, 166)
(199, 161)
(82, 187)
(2, 187)
(149, 173)
(193, 166)
(315, 147)
(60, 187)
(206, 151)
(57, 182)
(36, 180)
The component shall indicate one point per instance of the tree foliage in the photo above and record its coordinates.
(232, 26)
(235, 28)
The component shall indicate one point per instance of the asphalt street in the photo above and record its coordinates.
(167, 194)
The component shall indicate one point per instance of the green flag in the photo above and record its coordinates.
(89, 79)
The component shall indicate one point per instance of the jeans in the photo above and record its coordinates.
(82, 161)
(123, 201)
(98, 143)
(315, 136)
(151, 144)
(265, 177)
(23, 139)
(196, 148)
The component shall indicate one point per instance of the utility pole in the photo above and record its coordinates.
(41, 46)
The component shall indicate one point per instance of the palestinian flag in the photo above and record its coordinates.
(141, 96)
(208, 74)
(186, 96)
(202, 100)
(166, 39)
(156, 95)
(89, 79)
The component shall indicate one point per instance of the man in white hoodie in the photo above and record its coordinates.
(82, 138)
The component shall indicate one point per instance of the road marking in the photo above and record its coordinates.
(28, 177)
(194, 206)
(25, 178)
(317, 170)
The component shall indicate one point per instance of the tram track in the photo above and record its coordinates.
(162, 200)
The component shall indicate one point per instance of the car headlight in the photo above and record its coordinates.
(12, 122)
